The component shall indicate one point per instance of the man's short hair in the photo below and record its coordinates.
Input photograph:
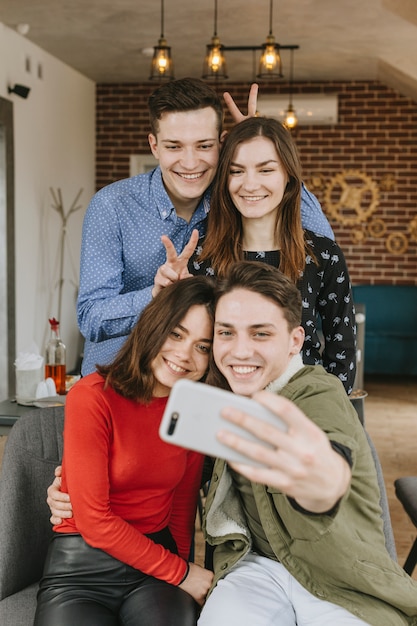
(184, 94)
(267, 281)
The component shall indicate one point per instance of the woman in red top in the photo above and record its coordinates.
(123, 557)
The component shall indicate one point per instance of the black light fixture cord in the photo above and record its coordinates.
(215, 18)
(162, 19)
(291, 74)
(270, 17)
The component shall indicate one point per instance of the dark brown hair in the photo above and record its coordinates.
(266, 281)
(223, 242)
(184, 94)
(130, 374)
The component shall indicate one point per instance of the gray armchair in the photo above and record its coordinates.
(383, 501)
(33, 449)
(406, 492)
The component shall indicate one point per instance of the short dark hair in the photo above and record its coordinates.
(184, 94)
(130, 374)
(267, 281)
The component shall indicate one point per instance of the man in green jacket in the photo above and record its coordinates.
(300, 541)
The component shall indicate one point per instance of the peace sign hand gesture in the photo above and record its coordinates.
(176, 265)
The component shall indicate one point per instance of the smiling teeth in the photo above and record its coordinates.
(243, 369)
(176, 368)
(253, 198)
(191, 176)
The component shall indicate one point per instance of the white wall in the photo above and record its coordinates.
(54, 146)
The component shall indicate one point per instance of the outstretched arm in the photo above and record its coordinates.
(302, 462)
(237, 115)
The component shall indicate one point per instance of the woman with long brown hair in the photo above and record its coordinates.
(124, 555)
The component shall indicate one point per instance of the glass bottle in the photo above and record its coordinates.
(55, 355)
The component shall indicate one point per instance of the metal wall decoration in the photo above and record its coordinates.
(351, 198)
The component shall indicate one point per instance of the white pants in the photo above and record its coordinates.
(261, 592)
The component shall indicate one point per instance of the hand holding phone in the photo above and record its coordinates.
(192, 419)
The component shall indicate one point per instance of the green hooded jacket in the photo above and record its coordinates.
(339, 557)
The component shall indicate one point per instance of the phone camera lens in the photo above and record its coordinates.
(173, 423)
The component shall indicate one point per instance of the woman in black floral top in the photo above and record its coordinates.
(255, 215)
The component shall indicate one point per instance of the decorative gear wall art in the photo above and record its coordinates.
(388, 182)
(377, 228)
(396, 243)
(351, 197)
(412, 229)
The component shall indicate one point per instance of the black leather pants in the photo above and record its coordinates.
(84, 586)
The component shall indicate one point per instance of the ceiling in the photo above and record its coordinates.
(338, 39)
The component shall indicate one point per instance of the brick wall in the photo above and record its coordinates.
(367, 162)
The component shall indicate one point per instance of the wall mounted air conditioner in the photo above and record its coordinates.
(320, 109)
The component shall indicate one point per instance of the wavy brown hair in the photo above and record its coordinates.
(130, 374)
(266, 281)
(223, 242)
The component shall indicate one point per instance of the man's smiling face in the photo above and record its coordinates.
(252, 343)
(187, 146)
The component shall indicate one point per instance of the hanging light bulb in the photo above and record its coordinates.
(215, 63)
(162, 67)
(291, 120)
(270, 65)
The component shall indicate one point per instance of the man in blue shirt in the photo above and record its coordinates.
(121, 244)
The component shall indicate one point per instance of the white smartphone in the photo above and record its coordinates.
(192, 419)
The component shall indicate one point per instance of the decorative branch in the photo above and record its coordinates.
(58, 206)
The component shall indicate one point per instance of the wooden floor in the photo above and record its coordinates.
(391, 420)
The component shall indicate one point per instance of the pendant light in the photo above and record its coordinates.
(162, 67)
(215, 63)
(291, 120)
(270, 65)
